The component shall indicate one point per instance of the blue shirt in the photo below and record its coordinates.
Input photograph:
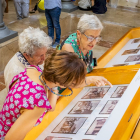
(50, 4)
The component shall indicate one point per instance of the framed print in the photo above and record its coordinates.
(84, 107)
(70, 125)
(108, 108)
(96, 126)
(94, 93)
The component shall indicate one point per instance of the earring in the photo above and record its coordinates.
(78, 43)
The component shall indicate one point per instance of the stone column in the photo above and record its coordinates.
(1, 16)
(113, 3)
(5, 33)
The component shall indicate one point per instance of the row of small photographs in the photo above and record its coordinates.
(71, 125)
(125, 64)
(94, 93)
(87, 107)
(60, 138)
(131, 51)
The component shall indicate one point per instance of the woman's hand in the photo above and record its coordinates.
(97, 81)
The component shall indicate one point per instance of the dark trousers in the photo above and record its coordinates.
(52, 16)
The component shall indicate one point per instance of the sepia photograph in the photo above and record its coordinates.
(70, 125)
(136, 41)
(117, 65)
(94, 93)
(57, 138)
(84, 107)
(96, 126)
(132, 51)
(119, 92)
(108, 108)
(133, 58)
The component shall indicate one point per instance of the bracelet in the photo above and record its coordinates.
(86, 82)
(54, 88)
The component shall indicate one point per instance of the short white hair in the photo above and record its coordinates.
(89, 22)
(32, 39)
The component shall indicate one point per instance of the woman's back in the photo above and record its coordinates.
(24, 94)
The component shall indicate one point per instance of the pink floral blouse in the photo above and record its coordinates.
(24, 94)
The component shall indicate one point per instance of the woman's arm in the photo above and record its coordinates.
(96, 80)
(92, 2)
(24, 123)
(52, 99)
(67, 47)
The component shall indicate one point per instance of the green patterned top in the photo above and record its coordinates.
(72, 40)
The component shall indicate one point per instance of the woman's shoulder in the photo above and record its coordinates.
(70, 43)
(71, 39)
(73, 35)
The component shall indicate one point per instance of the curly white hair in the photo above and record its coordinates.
(32, 39)
(89, 22)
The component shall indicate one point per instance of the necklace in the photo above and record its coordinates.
(85, 58)
(80, 52)
(52, 90)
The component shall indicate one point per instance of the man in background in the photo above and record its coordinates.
(22, 8)
(99, 6)
(52, 13)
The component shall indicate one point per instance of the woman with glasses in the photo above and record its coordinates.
(32, 93)
(82, 42)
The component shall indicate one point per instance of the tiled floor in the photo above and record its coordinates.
(127, 3)
(116, 23)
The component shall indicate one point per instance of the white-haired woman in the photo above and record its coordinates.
(33, 44)
(82, 42)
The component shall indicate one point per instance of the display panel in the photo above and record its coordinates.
(125, 108)
(128, 55)
(124, 113)
(86, 114)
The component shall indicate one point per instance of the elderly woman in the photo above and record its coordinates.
(33, 45)
(82, 42)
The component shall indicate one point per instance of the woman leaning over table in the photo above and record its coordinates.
(82, 42)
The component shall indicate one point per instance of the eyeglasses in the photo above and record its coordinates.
(51, 89)
(90, 39)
